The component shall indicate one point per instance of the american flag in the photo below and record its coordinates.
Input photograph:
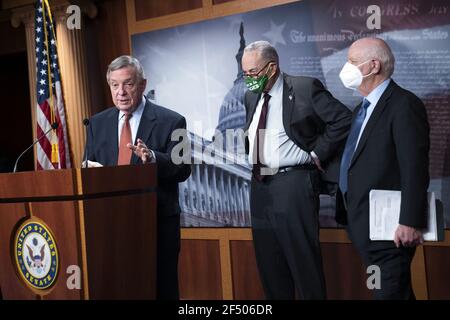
(53, 149)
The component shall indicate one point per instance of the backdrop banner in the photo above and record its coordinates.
(195, 69)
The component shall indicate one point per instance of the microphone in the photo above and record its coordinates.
(86, 124)
(53, 127)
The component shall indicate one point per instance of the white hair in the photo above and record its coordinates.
(267, 51)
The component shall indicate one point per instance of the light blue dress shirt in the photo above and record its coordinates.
(373, 97)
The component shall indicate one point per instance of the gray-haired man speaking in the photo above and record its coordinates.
(138, 131)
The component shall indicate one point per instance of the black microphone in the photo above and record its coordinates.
(54, 127)
(86, 124)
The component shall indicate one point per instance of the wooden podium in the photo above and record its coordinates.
(102, 223)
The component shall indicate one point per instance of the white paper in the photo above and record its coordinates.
(384, 216)
(92, 164)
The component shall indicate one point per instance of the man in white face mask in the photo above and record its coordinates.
(387, 148)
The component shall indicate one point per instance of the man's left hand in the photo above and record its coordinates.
(141, 150)
(407, 236)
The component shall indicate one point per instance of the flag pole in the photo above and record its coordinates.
(54, 139)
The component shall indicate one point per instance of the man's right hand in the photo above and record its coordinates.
(317, 161)
(407, 236)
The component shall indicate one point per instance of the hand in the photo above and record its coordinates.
(407, 236)
(141, 151)
(317, 162)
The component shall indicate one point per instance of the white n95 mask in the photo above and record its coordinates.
(351, 76)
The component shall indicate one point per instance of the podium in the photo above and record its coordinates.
(78, 233)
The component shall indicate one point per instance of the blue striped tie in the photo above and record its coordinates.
(350, 145)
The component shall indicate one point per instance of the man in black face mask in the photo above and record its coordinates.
(302, 130)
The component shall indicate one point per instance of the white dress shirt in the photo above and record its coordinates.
(279, 150)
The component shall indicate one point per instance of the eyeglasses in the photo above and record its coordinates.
(254, 74)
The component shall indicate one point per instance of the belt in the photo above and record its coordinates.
(306, 166)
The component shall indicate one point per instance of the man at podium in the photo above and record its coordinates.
(137, 131)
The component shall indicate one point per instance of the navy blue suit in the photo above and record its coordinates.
(392, 154)
(155, 129)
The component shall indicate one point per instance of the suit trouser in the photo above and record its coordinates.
(395, 272)
(285, 226)
(168, 248)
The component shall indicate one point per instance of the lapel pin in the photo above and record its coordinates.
(290, 97)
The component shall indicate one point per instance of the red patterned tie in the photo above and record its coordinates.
(125, 138)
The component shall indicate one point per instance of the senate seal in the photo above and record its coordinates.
(36, 254)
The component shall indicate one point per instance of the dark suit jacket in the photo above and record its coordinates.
(392, 154)
(155, 129)
(313, 119)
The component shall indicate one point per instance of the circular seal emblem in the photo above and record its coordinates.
(36, 254)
